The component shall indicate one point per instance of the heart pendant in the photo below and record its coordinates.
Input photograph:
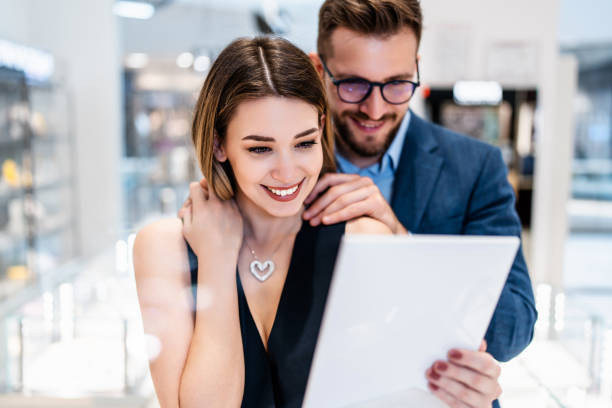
(258, 268)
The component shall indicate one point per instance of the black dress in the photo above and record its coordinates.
(278, 377)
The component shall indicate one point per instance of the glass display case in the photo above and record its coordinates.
(78, 340)
(15, 183)
(159, 157)
(37, 210)
(508, 124)
(53, 235)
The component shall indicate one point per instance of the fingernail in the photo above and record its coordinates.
(325, 220)
(455, 354)
(434, 375)
(433, 387)
(441, 366)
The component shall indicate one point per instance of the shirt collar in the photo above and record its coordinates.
(395, 149)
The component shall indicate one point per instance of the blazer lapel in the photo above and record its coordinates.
(416, 174)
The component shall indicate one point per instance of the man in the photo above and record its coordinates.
(413, 175)
(410, 174)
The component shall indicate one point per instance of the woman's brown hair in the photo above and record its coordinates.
(248, 69)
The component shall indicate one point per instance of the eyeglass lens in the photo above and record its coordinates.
(356, 91)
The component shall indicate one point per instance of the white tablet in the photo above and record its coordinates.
(396, 304)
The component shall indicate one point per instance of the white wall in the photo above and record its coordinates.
(13, 21)
(517, 44)
(553, 179)
(186, 25)
(182, 27)
(82, 35)
(478, 39)
(585, 22)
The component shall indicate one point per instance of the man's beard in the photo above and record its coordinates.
(348, 140)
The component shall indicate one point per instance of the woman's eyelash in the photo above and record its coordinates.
(258, 149)
(264, 149)
(307, 145)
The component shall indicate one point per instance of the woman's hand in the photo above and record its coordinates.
(467, 379)
(210, 226)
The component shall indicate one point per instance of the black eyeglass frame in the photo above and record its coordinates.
(372, 84)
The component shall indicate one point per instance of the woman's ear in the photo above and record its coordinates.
(322, 122)
(218, 149)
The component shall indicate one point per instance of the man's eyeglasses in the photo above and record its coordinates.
(357, 90)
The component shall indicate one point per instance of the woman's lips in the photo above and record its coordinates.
(285, 193)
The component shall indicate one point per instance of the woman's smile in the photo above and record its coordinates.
(284, 193)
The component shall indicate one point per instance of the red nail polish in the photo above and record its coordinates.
(432, 387)
(455, 354)
(434, 375)
(441, 366)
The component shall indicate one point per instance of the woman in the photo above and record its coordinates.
(238, 309)
(262, 136)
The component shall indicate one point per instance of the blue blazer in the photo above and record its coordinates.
(446, 183)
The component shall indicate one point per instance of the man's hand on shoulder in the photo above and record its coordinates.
(342, 197)
(367, 225)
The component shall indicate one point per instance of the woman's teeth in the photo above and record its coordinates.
(283, 193)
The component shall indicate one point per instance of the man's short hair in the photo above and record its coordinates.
(375, 17)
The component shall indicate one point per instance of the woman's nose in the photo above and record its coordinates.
(284, 169)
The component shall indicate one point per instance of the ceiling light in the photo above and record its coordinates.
(136, 60)
(37, 65)
(184, 60)
(477, 93)
(202, 63)
(133, 9)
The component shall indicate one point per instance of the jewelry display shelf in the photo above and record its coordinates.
(159, 159)
(75, 337)
(37, 187)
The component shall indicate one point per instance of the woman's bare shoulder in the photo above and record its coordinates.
(169, 227)
(367, 225)
(161, 243)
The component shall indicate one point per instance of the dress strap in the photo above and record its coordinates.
(193, 270)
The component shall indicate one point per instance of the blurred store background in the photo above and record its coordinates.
(96, 99)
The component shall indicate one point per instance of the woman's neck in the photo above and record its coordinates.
(263, 230)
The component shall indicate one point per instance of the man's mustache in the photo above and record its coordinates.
(363, 116)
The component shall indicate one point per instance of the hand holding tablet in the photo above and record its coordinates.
(397, 304)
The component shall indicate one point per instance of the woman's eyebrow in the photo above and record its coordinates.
(306, 133)
(259, 138)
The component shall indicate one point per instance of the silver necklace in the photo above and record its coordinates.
(261, 270)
